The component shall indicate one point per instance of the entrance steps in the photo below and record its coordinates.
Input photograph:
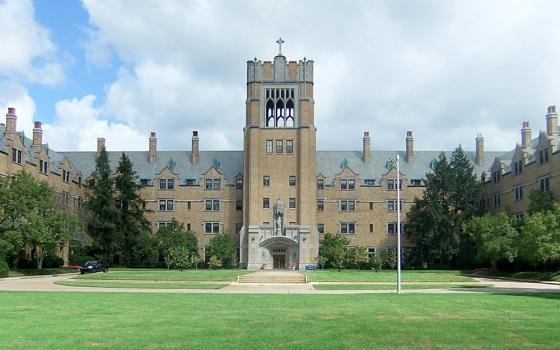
(291, 277)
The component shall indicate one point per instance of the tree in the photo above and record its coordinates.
(495, 238)
(389, 258)
(540, 201)
(435, 222)
(132, 224)
(103, 226)
(174, 235)
(334, 249)
(539, 241)
(214, 262)
(376, 262)
(322, 261)
(28, 217)
(146, 247)
(223, 247)
(357, 256)
(181, 257)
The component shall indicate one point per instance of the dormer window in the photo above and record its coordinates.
(496, 175)
(144, 182)
(392, 184)
(43, 167)
(320, 184)
(212, 184)
(238, 184)
(16, 155)
(543, 156)
(65, 176)
(347, 184)
(166, 184)
(518, 167)
(369, 182)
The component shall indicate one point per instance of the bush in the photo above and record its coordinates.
(214, 263)
(4, 270)
(52, 261)
(376, 263)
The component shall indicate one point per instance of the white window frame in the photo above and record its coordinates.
(345, 228)
(213, 226)
(168, 204)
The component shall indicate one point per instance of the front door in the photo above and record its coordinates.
(279, 261)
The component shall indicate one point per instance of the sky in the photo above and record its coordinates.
(118, 69)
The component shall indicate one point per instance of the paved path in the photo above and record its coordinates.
(46, 284)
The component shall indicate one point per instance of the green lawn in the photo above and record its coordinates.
(50, 320)
(36, 272)
(394, 287)
(543, 276)
(387, 276)
(166, 275)
(149, 285)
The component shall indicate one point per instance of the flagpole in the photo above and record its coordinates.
(398, 226)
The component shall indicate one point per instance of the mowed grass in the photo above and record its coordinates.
(50, 320)
(166, 275)
(142, 285)
(394, 287)
(387, 276)
(542, 276)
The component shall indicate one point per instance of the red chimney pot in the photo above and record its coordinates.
(37, 125)
(153, 134)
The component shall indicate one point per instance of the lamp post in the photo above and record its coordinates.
(398, 226)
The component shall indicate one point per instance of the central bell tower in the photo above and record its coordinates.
(279, 194)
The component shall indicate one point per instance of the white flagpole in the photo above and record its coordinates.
(398, 226)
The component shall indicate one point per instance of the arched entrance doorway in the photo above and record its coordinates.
(283, 252)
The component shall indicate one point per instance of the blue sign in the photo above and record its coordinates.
(309, 267)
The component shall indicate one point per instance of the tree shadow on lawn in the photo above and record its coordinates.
(553, 294)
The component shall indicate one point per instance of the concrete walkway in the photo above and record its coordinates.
(46, 284)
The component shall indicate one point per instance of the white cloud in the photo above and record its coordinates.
(78, 124)
(16, 96)
(446, 70)
(28, 54)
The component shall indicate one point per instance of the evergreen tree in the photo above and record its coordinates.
(132, 224)
(103, 226)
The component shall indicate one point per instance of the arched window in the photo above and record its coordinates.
(280, 121)
(290, 114)
(270, 114)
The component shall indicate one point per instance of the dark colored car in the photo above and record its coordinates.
(93, 266)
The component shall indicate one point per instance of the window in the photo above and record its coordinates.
(320, 204)
(545, 183)
(320, 184)
(266, 203)
(496, 176)
(497, 200)
(292, 203)
(279, 146)
(370, 205)
(16, 155)
(208, 184)
(370, 228)
(188, 226)
(348, 227)
(65, 176)
(166, 184)
(369, 182)
(65, 198)
(321, 228)
(371, 252)
(189, 205)
(266, 181)
(348, 205)
(543, 156)
(166, 205)
(190, 182)
(347, 184)
(238, 204)
(212, 204)
(161, 224)
(518, 190)
(343, 184)
(292, 181)
(80, 202)
(216, 184)
(268, 146)
(392, 205)
(392, 228)
(416, 182)
(238, 228)
(238, 184)
(518, 167)
(43, 167)
(392, 184)
(518, 216)
(144, 182)
(290, 146)
(212, 227)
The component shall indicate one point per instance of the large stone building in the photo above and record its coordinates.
(279, 194)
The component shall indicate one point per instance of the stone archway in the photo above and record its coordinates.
(282, 252)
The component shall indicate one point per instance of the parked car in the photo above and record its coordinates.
(93, 266)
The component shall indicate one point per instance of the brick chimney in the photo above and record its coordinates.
(153, 147)
(195, 156)
(366, 147)
(37, 136)
(11, 123)
(526, 136)
(479, 157)
(409, 147)
(552, 121)
(100, 144)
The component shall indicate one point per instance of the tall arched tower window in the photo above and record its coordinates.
(280, 108)
(269, 116)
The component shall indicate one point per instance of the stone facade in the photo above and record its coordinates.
(279, 194)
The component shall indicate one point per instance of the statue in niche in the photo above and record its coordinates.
(279, 216)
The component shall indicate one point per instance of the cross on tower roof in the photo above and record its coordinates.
(280, 42)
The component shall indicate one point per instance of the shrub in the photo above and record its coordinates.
(52, 261)
(4, 270)
(214, 262)
(224, 247)
(181, 257)
(376, 263)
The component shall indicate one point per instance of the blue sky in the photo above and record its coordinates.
(119, 69)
